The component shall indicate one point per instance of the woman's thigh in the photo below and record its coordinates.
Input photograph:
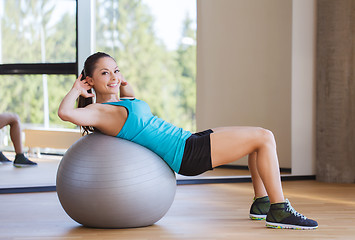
(229, 144)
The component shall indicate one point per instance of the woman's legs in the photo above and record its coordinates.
(15, 129)
(258, 185)
(232, 143)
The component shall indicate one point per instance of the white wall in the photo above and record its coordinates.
(255, 66)
(303, 87)
(244, 67)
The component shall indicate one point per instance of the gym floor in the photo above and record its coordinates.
(202, 211)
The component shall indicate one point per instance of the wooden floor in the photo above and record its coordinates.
(207, 211)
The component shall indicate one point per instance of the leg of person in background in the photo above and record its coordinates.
(229, 144)
(13, 121)
(4, 120)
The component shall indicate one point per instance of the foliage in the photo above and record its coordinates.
(124, 29)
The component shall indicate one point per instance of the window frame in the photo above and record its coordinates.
(39, 68)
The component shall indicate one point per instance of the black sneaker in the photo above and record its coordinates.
(22, 161)
(259, 208)
(4, 159)
(283, 215)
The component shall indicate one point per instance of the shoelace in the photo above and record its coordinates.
(293, 211)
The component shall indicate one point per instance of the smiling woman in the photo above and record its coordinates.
(102, 74)
(186, 153)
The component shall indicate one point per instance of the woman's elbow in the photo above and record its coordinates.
(64, 115)
(71, 116)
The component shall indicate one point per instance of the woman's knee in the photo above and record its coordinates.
(266, 137)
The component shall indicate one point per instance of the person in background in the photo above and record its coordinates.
(13, 121)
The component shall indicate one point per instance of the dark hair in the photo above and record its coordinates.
(89, 67)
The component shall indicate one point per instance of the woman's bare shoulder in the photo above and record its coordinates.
(100, 106)
(112, 118)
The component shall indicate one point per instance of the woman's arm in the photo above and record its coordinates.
(67, 111)
(126, 90)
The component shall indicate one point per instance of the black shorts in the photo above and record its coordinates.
(197, 154)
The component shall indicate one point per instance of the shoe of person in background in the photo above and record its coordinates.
(4, 159)
(22, 161)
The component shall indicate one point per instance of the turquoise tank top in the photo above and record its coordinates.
(161, 137)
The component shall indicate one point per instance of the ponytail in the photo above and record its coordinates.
(83, 102)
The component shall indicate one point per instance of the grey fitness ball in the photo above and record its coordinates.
(107, 182)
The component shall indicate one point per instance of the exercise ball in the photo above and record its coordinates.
(108, 182)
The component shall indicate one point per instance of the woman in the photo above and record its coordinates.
(187, 154)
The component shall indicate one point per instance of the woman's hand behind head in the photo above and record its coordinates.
(83, 86)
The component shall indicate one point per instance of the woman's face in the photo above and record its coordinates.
(106, 78)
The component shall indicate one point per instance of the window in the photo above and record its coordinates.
(154, 43)
(23, 95)
(36, 38)
(41, 31)
(38, 59)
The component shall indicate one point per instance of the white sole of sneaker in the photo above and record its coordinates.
(288, 226)
(23, 165)
(257, 217)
